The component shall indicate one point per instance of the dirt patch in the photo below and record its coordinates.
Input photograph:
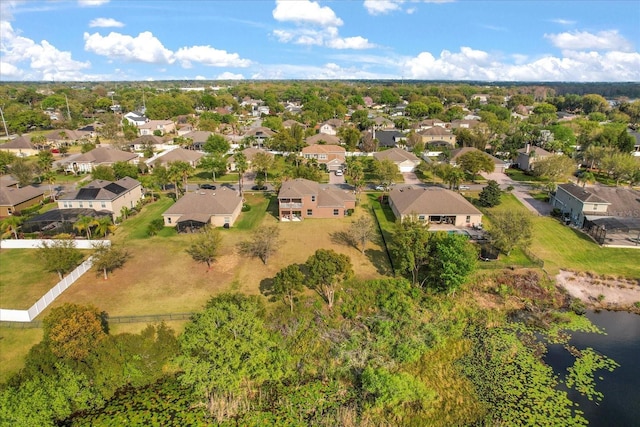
(601, 292)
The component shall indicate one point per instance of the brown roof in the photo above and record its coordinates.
(105, 155)
(21, 142)
(68, 134)
(540, 152)
(435, 131)
(431, 201)
(198, 136)
(260, 130)
(147, 139)
(206, 203)
(396, 155)
(328, 196)
(321, 148)
(317, 138)
(101, 189)
(178, 154)
(11, 196)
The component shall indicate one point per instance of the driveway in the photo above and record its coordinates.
(410, 178)
(336, 179)
(521, 191)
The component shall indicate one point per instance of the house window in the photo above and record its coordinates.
(336, 212)
(468, 219)
(91, 204)
(322, 156)
(103, 204)
(168, 220)
(421, 218)
(227, 220)
(80, 204)
(313, 198)
(309, 212)
(9, 211)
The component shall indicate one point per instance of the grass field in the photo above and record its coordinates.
(14, 346)
(561, 247)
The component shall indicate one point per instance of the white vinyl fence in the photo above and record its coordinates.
(8, 315)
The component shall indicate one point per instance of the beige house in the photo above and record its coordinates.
(322, 139)
(164, 126)
(66, 136)
(102, 195)
(13, 199)
(20, 147)
(177, 154)
(438, 136)
(101, 156)
(434, 205)
(219, 208)
(332, 156)
(405, 160)
(301, 198)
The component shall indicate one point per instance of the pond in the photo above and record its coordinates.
(621, 388)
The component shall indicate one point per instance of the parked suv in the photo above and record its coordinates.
(207, 187)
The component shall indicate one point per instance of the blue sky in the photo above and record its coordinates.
(69, 40)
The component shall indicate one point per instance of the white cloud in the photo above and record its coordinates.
(10, 71)
(46, 62)
(229, 76)
(563, 21)
(470, 64)
(350, 43)
(105, 23)
(92, 3)
(582, 40)
(305, 12)
(212, 57)
(381, 7)
(329, 71)
(143, 48)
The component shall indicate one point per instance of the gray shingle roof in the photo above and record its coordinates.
(223, 201)
(396, 155)
(11, 196)
(431, 201)
(100, 189)
(581, 194)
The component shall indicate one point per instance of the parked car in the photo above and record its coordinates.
(339, 172)
(207, 186)
(259, 187)
(381, 188)
(464, 187)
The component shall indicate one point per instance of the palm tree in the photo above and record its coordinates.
(11, 225)
(104, 225)
(586, 177)
(85, 223)
(50, 176)
(179, 171)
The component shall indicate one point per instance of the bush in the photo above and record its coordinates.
(155, 226)
(577, 307)
(246, 208)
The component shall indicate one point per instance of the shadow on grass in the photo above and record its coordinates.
(266, 289)
(380, 260)
(272, 207)
(343, 238)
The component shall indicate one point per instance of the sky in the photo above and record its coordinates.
(468, 40)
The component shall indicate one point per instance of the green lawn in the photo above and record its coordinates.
(518, 175)
(561, 247)
(135, 227)
(15, 343)
(252, 218)
(22, 280)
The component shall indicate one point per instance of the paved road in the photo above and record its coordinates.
(521, 191)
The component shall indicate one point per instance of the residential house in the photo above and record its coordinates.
(301, 198)
(176, 154)
(20, 147)
(636, 143)
(91, 129)
(332, 156)
(259, 134)
(142, 142)
(430, 123)
(528, 155)
(288, 124)
(152, 126)
(330, 127)
(65, 137)
(499, 164)
(382, 123)
(101, 195)
(577, 202)
(438, 136)
(136, 118)
(464, 124)
(322, 138)
(220, 208)
(433, 205)
(13, 199)
(405, 160)
(100, 156)
(184, 129)
(390, 138)
(198, 138)
(249, 153)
